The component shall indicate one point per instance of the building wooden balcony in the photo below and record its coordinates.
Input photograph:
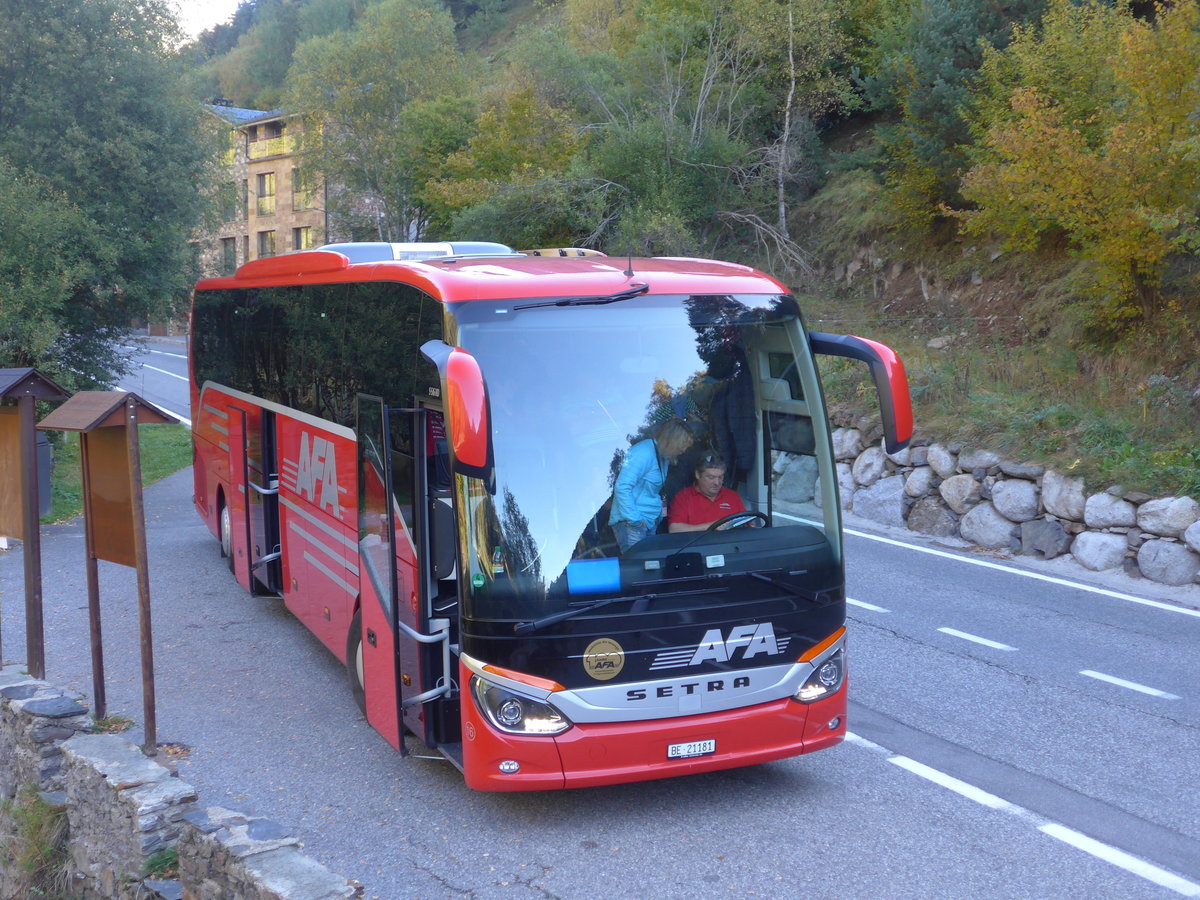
(272, 147)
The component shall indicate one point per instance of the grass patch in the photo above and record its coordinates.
(37, 851)
(164, 450)
(1116, 419)
(162, 864)
(112, 725)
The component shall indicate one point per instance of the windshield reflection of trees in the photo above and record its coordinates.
(571, 443)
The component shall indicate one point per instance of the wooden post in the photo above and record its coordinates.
(35, 644)
(26, 387)
(91, 569)
(149, 709)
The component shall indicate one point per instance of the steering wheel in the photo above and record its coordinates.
(745, 517)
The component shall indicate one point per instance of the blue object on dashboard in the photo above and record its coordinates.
(594, 576)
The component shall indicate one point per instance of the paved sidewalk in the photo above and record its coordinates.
(235, 675)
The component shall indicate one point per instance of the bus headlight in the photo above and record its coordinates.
(826, 679)
(515, 713)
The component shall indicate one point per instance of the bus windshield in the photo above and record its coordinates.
(572, 388)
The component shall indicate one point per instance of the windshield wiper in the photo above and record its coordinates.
(783, 585)
(539, 624)
(626, 294)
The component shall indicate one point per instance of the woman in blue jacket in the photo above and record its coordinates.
(637, 498)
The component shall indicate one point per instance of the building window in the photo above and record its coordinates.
(266, 244)
(302, 238)
(303, 193)
(246, 247)
(266, 194)
(228, 255)
(228, 197)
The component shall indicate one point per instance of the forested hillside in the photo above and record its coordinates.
(1006, 191)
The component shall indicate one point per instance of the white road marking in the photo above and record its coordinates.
(165, 372)
(1120, 858)
(949, 781)
(865, 605)
(852, 738)
(1116, 595)
(1132, 685)
(995, 645)
(1101, 851)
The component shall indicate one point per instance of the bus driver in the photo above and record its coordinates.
(699, 505)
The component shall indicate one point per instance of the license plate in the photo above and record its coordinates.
(691, 748)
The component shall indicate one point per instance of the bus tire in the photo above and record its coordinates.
(354, 662)
(225, 518)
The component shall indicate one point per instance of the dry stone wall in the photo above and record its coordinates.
(947, 490)
(123, 808)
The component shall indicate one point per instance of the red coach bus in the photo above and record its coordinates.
(416, 447)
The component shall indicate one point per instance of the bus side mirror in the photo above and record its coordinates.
(887, 371)
(465, 400)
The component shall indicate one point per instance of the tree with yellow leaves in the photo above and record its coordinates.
(1103, 153)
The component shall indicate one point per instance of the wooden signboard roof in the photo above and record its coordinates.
(17, 383)
(89, 410)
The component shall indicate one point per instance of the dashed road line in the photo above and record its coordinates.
(1131, 685)
(864, 605)
(995, 645)
(1098, 849)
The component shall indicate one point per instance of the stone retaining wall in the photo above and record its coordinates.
(122, 808)
(947, 490)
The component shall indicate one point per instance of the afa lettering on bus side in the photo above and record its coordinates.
(316, 478)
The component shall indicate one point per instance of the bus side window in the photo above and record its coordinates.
(438, 451)
(403, 466)
(793, 460)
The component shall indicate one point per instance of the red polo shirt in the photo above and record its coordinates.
(690, 507)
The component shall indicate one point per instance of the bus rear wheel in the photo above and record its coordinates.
(354, 662)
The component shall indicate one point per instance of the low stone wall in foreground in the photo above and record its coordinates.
(123, 810)
(947, 490)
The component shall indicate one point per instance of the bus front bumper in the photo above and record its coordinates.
(590, 755)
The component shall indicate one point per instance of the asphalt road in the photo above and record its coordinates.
(1019, 730)
(975, 771)
(162, 378)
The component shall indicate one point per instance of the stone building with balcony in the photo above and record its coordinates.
(268, 203)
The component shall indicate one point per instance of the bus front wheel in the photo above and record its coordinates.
(226, 519)
(354, 662)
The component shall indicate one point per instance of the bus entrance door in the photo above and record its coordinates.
(255, 515)
(423, 633)
(405, 643)
(380, 523)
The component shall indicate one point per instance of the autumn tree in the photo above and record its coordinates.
(932, 82)
(1102, 152)
(383, 106)
(519, 140)
(698, 115)
(803, 46)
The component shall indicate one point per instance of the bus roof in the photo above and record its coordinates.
(499, 277)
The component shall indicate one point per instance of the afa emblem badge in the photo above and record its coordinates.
(603, 659)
